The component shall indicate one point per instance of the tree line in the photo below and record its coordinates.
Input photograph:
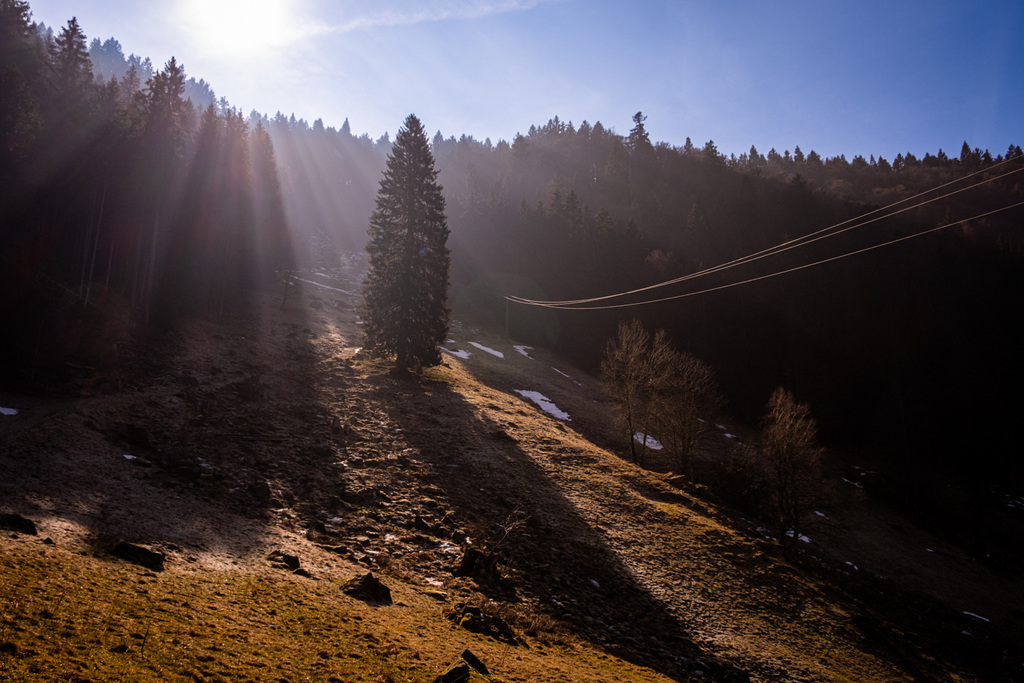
(114, 180)
(122, 199)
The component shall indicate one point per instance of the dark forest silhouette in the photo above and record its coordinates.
(133, 196)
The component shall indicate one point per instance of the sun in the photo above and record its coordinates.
(233, 29)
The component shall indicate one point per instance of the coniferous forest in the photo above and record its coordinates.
(132, 197)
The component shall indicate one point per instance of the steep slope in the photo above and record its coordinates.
(272, 433)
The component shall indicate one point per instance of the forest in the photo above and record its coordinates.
(131, 197)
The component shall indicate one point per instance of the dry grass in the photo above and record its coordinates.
(612, 573)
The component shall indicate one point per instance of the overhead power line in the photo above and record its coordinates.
(824, 233)
(775, 274)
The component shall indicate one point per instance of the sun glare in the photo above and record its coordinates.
(232, 29)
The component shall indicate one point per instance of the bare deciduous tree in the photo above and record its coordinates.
(652, 385)
(791, 458)
(633, 367)
(687, 400)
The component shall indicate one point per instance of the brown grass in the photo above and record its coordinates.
(270, 432)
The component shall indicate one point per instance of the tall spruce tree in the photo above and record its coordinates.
(405, 293)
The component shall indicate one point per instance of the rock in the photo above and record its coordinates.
(472, 618)
(15, 522)
(436, 594)
(137, 554)
(469, 658)
(368, 589)
(484, 568)
(261, 492)
(461, 670)
(456, 673)
(284, 560)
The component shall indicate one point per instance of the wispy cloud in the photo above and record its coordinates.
(405, 13)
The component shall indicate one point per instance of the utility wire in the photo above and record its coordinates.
(769, 275)
(810, 238)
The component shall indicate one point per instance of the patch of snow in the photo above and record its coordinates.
(523, 350)
(594, 583)
(561, 373)
(853, 483)
(458, 354)
(648, 441)
(976, 616)
(319, 284)
(730, 436)
(130, 457)
(821, 514)
(8, 411)
(851, 564)
(801, 537)
(544, 403)
(499, 354)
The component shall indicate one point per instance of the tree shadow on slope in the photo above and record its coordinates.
(215, 427)
(555, 561)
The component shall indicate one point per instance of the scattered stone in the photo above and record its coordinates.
(367, 588)
(15, 522)
(137, 554)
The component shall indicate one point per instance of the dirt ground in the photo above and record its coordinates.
(229, 439)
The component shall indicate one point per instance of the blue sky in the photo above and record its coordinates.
(847, 78)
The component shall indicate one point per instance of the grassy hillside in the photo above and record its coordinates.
(272, 433)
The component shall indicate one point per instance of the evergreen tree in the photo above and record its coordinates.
(71, 63)
(639, 139)
(406, 290)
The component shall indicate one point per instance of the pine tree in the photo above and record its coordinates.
(406, 290)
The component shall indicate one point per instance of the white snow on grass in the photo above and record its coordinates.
(458, 354)
(524, 350)
(544, 403)
(499, 354)
(576, 382)
(8, 411)
(648, 441)
(976, 616)
(319, 284)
